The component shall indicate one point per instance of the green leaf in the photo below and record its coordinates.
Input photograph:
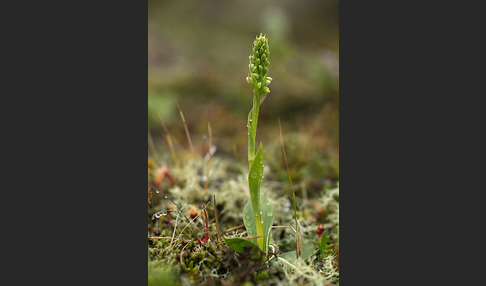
(307, 252)
(238, 243)
(268, 216)
(255, 178)
(323, 246)
(249, 220)
(149, 256)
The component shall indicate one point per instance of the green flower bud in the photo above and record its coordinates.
(259, 64)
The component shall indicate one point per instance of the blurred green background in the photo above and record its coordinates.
(198, 55)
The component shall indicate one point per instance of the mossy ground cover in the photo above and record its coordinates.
(183, 242)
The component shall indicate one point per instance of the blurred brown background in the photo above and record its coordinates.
(198, 55)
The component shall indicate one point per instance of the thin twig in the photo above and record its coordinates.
(182, 251)
(277, 226)
(183, 219)
(206, 183)
(169, 141)
(173, 233)
(164, 237)
(216, 216)
(152, 147)
(185, 127)
(182, 231)
(206, 227)
(298, 249)
(252, 237)
(234, 228)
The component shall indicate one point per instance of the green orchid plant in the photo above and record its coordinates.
(258, 213)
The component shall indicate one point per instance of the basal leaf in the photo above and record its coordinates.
(238, 243)
(307, 252)
(267, 215)
(249, 220)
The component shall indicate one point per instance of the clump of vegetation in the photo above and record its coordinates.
(197, 202)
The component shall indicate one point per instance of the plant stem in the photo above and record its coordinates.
(259, 229)
(252, 127)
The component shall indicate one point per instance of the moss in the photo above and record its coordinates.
(208, 263)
